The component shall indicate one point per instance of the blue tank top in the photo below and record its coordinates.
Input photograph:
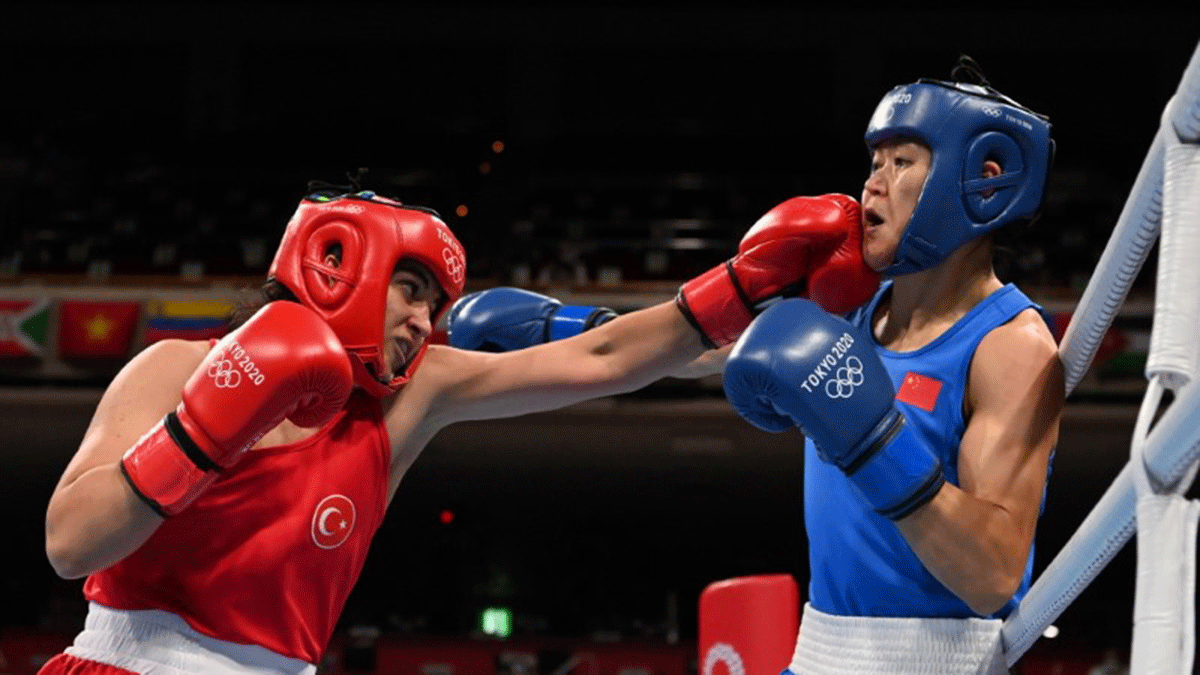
(860, 563)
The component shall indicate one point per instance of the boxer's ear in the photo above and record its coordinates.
(991, 169)
(333, 260)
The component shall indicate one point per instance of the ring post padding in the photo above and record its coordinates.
(1174, 349)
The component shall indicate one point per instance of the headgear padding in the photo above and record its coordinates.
(373, 235)
(964, 125)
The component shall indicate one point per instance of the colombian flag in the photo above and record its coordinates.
(186, 319)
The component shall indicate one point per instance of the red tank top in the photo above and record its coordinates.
(270, 552)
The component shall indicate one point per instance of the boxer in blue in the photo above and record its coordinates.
(931, 412)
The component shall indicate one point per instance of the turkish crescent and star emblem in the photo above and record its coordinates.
(333, 521)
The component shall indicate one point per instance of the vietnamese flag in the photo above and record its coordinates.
(919, 390)
(92, 329)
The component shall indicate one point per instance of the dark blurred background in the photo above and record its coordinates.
(602, 152)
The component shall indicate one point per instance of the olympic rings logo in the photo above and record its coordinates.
(454, 264)
(722, 652)
(845, 379)
(990, 111)
(224, 374)
(902, 97)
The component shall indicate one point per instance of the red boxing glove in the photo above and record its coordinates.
(809, 247)
(285, 362)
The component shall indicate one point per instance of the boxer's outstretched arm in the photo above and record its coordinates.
(975, 538)
(504, 319)
(622, 355)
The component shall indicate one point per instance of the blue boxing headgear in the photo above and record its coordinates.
(964, 125)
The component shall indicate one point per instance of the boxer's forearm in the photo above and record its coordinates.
(657, 342)
(628, 353)
(622, 355)
(94, 522)
(972, 546)
(711, 362)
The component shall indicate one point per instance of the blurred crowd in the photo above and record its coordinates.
(140, 215)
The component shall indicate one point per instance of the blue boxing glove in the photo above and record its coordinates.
(797, 365)
(504, 319)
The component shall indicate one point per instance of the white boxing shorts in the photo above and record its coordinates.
(836, 645)
(154, 642)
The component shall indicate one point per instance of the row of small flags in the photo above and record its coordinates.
(103, 328)
(109, 329)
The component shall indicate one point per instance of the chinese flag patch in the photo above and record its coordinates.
(920, 390)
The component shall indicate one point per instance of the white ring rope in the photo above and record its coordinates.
(1130, 243)
(1173, 446)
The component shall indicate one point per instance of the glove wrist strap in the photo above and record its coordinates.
(163, 472)
(900, 474)
(714, 305)
(571, 320)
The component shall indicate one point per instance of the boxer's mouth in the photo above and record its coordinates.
(404, 350)
(871, 219)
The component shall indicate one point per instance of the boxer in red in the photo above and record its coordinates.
(223, 499)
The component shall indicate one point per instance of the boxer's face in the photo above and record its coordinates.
(412, 299)
(898, 170)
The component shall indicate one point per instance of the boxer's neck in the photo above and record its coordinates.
(923, 305)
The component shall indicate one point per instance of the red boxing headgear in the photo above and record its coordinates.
(373, 233)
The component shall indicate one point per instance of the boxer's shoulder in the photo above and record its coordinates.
(1015, 357)
(415, 407)
(1025, 337)
(417, 412)
(174, 349)
(443, 367)
(161, 368)
(146, 388)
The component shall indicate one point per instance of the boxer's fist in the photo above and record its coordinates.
(841, 281)
(797, 364)
(505, 319)
(806, 246)
(283, 363)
